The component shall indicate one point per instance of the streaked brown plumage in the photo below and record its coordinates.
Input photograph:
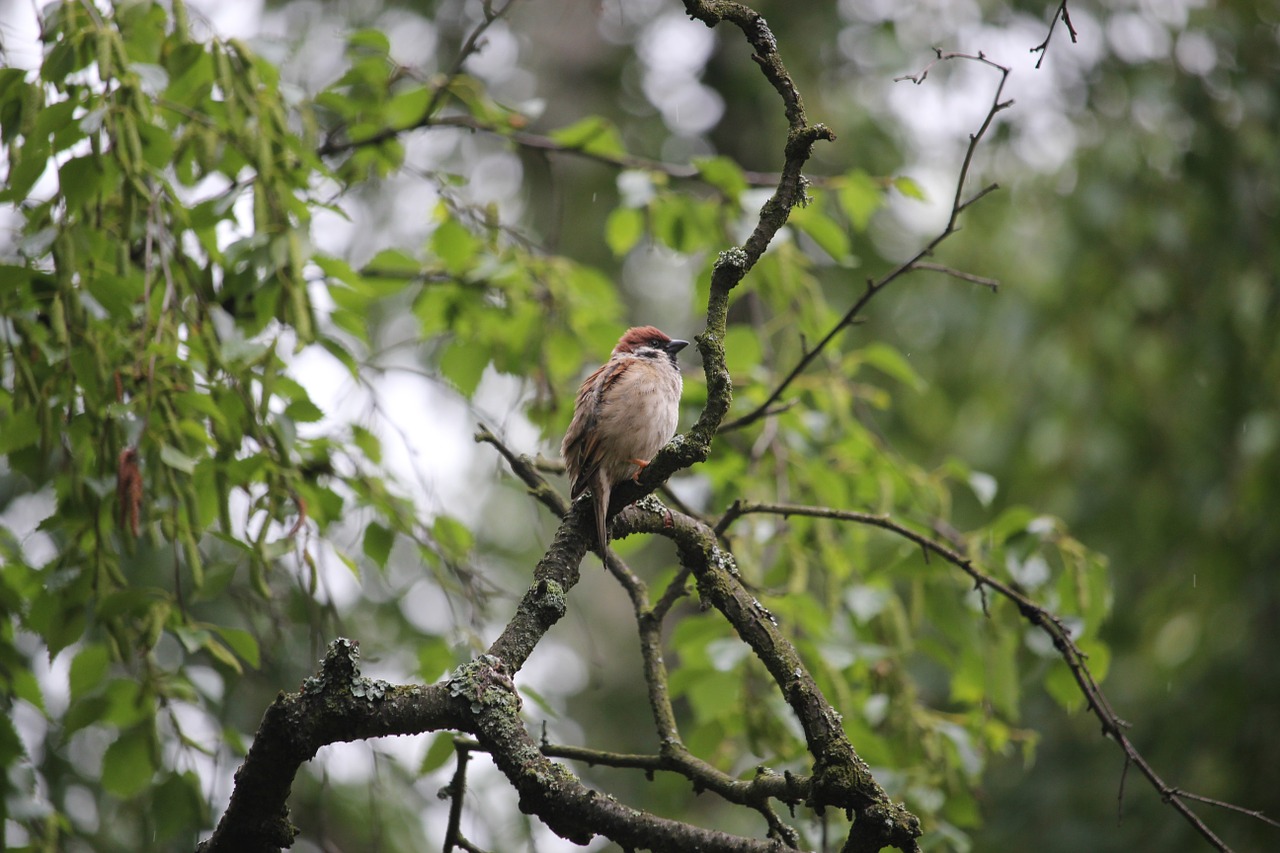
(626, 411)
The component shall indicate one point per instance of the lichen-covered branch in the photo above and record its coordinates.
(334, 706)
(840, 778)
(340, 705)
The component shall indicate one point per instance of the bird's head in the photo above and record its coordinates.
(648, 342)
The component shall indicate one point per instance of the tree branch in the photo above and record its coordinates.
(340, 705)
(336, 705)
(840, 778)
(958, 206)
(470, 46)
(538, 142)
(1043, 47)
(1112, 726)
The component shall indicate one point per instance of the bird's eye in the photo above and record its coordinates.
(656, 342)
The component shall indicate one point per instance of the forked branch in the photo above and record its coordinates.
(958, 205)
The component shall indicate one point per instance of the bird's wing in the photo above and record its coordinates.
(581, 448)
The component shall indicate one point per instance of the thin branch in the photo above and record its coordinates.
(1254, 813)
(1043, 47)
(470, 46)
(755, 793)
(990, 283)
(539, 142)
(525, 469)
(958, 206)
(676, 590)
(627, 579)
(455, 791)
(590, 757)
(1076, 660)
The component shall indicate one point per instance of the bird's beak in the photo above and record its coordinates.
(675, 346)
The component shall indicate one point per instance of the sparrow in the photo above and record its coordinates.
(625, 413)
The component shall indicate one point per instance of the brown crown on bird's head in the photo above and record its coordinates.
(648, 337)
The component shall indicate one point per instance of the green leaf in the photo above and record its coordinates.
(157, 145)
(463, 363)
(10, 744)
(623, 229)
(88, 669)
(58, 617)
(438, 753)
(1098, 656)
(742, 350)
(859, 196)
(24, 685)
(391, 262)
(304, 411)
(1062, 686)
(722, 173)
(32, 160)
(242, 643)
(435, 657)
(824, 231)
(370, 445)
(222, 654)
(127, 704)
(408, 108)
(1010, 523)
(889, 361)
(177, 805)
(128, 765)
(18, 430)
(190, 74)
(121, 296)
(453, 537)
(377, 543)
(1003, 689)
(369, 41)
(64, 131)
(714, 695)
(593, 134)
(175, 458)
(455, 246)
(909, 188)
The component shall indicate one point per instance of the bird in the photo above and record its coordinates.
(626, 411)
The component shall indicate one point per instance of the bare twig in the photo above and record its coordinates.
(1254, 813)
(990, 283)
(525, 469)
(455, 791)
(958, 205)
(1043, 47)
(538, 142)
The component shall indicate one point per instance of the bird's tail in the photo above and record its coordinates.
(602, 492)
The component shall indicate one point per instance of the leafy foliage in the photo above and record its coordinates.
(181, 500)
